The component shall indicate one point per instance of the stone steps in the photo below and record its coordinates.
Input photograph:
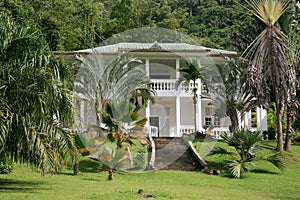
(174, 154)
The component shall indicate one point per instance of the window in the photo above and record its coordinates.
(208, 111)
(208, 121)
(216, 121)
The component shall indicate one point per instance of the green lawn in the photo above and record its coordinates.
(265, 183)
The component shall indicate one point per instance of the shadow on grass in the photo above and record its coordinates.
(215, 165)
(262, 171)
(16, 186)
(90, 166)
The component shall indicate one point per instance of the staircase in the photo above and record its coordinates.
(174, 154)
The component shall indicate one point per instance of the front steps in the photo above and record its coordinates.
(174, 154)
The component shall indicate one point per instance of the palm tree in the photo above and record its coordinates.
(269, 57)
(117, 91)
(110, 155)
(246, 144)
(191, 73)
(36, 99)
(235, 96)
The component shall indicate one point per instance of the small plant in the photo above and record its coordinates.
(246, 144)
(140, 159)
(296, 137)
(6, 165)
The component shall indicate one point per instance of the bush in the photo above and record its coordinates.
(140, 159)
(6, 165)
(271, 134)
(296, 137)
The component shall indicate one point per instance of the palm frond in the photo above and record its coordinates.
(276, 161)
(268, 11)
(220, 151)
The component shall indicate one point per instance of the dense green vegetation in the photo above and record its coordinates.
(266, 182)
(73, 25)
(35, 88)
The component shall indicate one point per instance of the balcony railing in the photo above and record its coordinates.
(167, 85)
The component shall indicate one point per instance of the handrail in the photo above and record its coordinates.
(152, 158)
(196, 155)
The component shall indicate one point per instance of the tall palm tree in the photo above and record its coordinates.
(36, 99)
(269, 57)
(191, 73)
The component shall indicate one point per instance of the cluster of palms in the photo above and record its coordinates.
(271, 69)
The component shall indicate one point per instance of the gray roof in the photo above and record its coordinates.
(156, 46)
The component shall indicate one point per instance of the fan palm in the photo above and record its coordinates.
(191, 73)
(246, 144)
(117, 91)
(235, 95)
(110, 155)
(269, 57)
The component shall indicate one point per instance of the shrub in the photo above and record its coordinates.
(6, 165)
(140, 159)
(296, 137)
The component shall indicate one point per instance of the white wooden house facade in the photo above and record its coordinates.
(173, 112)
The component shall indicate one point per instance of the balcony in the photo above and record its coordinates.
(167, 87)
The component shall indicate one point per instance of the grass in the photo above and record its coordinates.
(265, 183)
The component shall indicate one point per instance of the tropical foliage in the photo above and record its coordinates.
(116, 91)
(234, 94)
(110, 155)
(271, 67)
(35, 99)
(246, 144)
(192, 72)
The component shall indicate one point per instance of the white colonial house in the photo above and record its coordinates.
(173, 112)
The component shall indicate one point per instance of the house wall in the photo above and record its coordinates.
(187, 112)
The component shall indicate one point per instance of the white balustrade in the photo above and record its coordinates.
(152, 130)
(170, 84)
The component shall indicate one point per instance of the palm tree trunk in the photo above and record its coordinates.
(76, 168)
(291, 113)
(234, 121)
(110, 175)
(279, 114)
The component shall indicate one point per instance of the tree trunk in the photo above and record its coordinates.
(291, 113)
(110, 175)
(279, 114)
(76, 168)
(233, 115)
(191, 8)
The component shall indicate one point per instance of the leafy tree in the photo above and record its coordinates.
(269, 57)
(246, 144)
(191, 73)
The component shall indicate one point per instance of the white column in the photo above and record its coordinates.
(148, 114)
(178, 121)
(258, 118)
(177, 67)
(147, 65)
(82, 112)
(147, 69)
(199, 106)
(264, 120)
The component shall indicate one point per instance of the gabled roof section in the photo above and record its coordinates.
(156, 46)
